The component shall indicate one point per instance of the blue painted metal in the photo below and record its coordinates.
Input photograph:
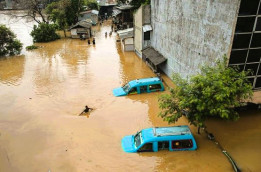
(138, 83)
(119, 92)
(159, 134)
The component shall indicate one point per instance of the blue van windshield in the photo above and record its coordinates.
(137, 139)
(126, 88)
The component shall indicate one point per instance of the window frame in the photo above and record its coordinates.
(146, 36)
(173, 141)
(151, 88)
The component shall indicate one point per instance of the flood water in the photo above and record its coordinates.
(43, 91)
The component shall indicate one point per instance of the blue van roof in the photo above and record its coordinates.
(144, 81)
(166, 133)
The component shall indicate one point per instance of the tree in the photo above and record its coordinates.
(73, 11)
(217, 91)
(44, 33)
(34, 9)
(56, 13)
(92, 4)
(9, 45)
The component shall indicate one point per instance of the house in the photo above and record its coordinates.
(191, 34)
(82, 27)
(142, 29)
(90, 14)
(123, 16)
(127, 39)
(106, 7)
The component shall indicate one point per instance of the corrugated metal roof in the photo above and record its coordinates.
(95, 12)
(82, 23)
(90, 11)
(127, 33)
(147, 28)
(125, 7)
(116, 12)
(154, 56)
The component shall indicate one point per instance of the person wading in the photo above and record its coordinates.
(86, 110)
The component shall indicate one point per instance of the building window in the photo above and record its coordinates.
(147, 35)
(246, 48)
(245, 24)
(248, 7)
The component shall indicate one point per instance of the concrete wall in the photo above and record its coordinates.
(127, 44)
(141, 17)
(138, 37)
(190, 33)
(128, 41)
(146, 14)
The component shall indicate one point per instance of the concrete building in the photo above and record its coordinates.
(106, 7)
(127, 40)
(192, 33)
(123, 17)
(142, 29)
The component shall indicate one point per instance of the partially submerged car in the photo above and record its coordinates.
(176, 138)
(138, 86)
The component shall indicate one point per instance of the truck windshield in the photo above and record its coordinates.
(137, 139)
(126, 88)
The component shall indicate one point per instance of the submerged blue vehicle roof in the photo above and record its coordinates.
(177, 138)
(138, 82)
(138, 86)
(167, 132)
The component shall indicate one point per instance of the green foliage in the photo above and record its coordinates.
(92, 4)
(214, 92)
(72, 11)
(44, 33)
(56, 12)
(9, 45)
(32, 47)
(136, 4)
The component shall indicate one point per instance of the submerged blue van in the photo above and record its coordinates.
(138, 86)
(176, 138)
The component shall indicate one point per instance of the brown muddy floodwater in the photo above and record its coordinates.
(43, 91)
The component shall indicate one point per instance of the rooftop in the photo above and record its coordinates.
(127, 33)
(90, 11)
(125, 7)
(83, 24)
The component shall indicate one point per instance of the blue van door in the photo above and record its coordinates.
(143, 89)
(163, 145)
(155, 87)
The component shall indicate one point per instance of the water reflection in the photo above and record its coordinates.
(21, 26)
(12, 70)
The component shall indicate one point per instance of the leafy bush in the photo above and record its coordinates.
(32, 47)
(9, 45)
(44, 33)
(216, 91)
